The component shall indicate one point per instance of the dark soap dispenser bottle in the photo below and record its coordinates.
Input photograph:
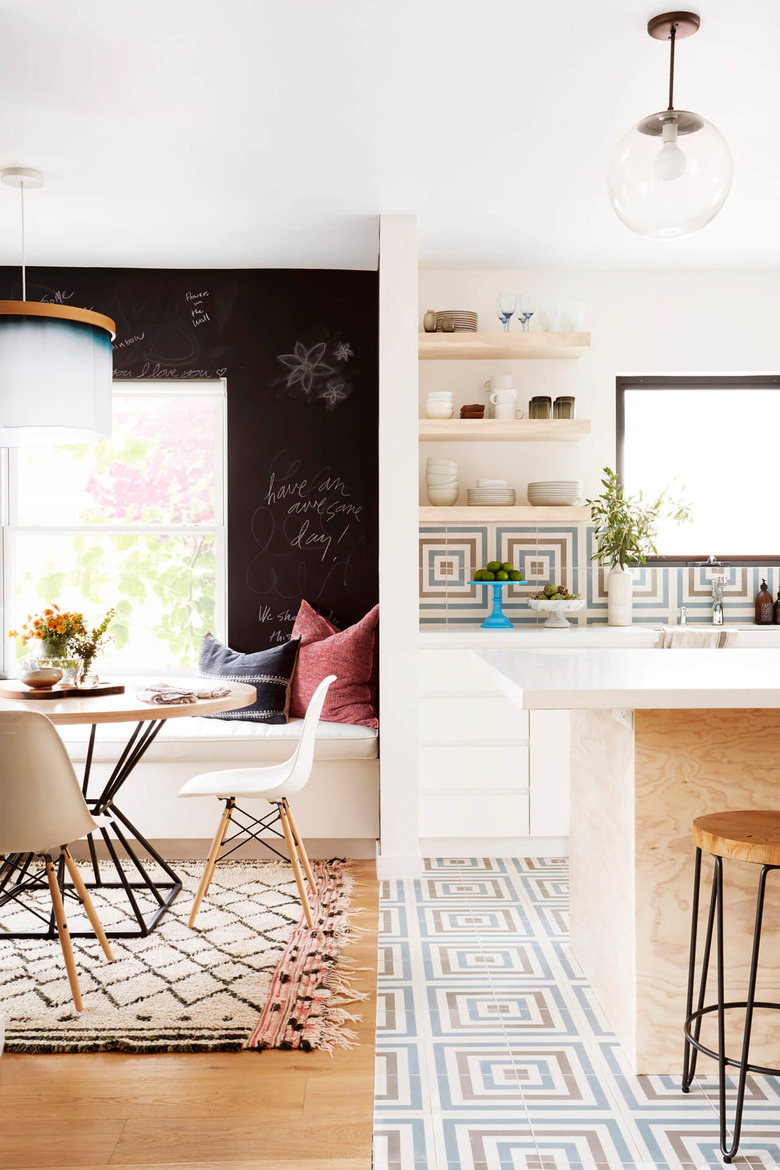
(777, 609)
(765, 610)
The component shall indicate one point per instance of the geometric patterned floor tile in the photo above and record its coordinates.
(492, 888)
(512, 1143)
(468, 865)
(402, 1144)
(540, 1081)
(397, 1083)
(395, 1012)
(483, 1011)
(518, 961)
(394, 960)
(507, 920)
(494, 1054)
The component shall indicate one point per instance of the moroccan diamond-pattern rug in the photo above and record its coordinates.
(251, 974)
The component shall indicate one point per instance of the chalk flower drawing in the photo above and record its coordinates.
(343, 351)
(334, 393)
(305, 366)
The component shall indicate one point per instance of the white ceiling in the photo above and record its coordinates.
(273, 132)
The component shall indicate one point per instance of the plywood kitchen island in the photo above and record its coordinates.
(658, 738)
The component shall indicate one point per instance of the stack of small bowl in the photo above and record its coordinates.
(555, 493)
(438, 404)
(441, 478)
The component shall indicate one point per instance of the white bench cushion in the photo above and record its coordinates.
(219, 740)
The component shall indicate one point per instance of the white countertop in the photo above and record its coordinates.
(605, 678)
(470, 636)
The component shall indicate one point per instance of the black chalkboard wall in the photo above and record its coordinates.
(299, 351)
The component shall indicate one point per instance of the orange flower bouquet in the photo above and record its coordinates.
(62, 639)
(51, 631)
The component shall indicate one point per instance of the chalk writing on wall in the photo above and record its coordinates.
(196, 302)
(311, 519)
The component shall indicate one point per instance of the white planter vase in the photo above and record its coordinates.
(620, 597)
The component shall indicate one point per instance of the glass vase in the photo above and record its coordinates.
(51, 655)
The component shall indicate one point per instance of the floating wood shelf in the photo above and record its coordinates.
(501, 345)
(517, 515)
(498, 430)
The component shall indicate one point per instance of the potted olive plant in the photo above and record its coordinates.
(626, 529)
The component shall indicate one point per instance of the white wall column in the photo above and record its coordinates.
(399, 851)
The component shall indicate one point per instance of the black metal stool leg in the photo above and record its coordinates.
(690, 1052)
(730, 1152)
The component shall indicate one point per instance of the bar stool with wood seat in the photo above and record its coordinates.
(737, 836)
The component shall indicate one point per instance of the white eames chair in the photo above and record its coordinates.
(41, 811)
(274, 783)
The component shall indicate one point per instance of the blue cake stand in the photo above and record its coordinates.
(496, 620)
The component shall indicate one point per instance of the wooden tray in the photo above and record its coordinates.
(61, 692)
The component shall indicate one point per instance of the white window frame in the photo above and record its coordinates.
(215, 388)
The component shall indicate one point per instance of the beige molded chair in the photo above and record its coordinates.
(274, 783)
(41, 811)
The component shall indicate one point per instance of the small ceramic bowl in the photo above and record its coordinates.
(42, 679)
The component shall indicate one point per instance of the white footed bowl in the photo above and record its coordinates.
(557, 611)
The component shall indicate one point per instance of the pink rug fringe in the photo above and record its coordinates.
(306, 1004)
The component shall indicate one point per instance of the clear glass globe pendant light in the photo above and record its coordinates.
(671, 173)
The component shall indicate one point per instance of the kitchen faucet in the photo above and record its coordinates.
(718, 584)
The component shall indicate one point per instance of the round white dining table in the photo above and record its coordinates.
(119, 834)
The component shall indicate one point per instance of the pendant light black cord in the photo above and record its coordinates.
(672, 37)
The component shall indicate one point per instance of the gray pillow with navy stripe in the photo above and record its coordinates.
(269, 671)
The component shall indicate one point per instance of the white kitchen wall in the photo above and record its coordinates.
(641, 322)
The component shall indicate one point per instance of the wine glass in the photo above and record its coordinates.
(506, 303)
(526, 307)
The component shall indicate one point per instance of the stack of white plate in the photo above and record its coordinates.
(441, 480)
(555, 493)
(491, 494)
(463, 320)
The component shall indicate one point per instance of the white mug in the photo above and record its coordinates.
(500, 382)
(506, 410)
(503, 396)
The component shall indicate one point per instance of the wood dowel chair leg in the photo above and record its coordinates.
(211, 863)
(62, 931)
(301, 849)
(89, 905)
(288, 836)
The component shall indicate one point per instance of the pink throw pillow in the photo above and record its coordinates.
(349, 654)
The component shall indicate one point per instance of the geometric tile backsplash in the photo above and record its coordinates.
(451, 553)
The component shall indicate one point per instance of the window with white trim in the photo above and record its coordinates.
(136, 523)
(713, 440)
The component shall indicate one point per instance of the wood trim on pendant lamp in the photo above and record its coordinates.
(62, 312)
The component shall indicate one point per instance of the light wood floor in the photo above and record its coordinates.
(239, 1110)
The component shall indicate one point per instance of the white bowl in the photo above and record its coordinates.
(443, 497)
(438, 482)
(556, 610)
(434, 411)
(440, 394)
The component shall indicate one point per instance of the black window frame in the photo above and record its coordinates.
(690, 382)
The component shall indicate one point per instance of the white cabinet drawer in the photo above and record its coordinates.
(473, 815)
(467, 718)
(474, 768)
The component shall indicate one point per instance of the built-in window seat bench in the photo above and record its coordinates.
(337, 812)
